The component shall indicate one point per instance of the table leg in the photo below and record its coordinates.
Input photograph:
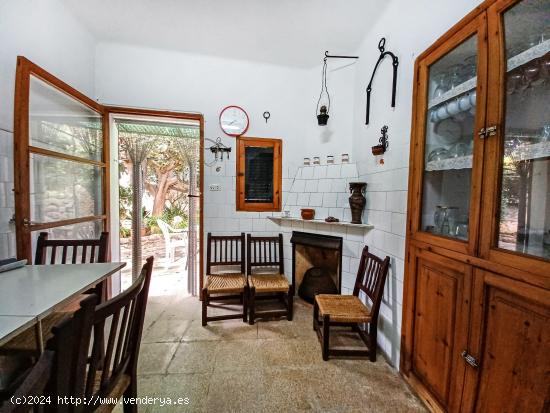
(39, 336)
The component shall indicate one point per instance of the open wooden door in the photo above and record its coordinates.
(61, 152)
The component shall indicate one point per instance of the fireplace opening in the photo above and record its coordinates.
(316, 264)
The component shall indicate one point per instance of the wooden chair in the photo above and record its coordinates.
(49, 252)
(349, 310)
(41, 380)
(33, 385)
(266, 276)
(88, 372)
(225, 251)
(65, 251)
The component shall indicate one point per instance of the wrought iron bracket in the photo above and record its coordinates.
(395, 64)
(383, 143)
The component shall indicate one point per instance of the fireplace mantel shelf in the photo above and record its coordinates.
(280, 220)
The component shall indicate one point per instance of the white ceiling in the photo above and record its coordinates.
(287, 32)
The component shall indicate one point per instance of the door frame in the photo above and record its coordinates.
(22, 151)
(155, 113)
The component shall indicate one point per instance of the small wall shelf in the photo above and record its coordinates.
(280, 220)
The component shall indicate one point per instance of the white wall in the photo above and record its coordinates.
(44, 32)
(336, 137)
(409, 28)
(190, 82)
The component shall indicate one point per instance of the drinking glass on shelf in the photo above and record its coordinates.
(439, 217)
(440, 84)
(451, 217)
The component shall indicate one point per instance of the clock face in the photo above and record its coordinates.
(234, 120)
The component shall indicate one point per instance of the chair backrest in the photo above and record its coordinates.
(124, 314)
(165, 229)
(265, 252)
(32, 387)
(225, 250)
(67, 250)
(371, 277)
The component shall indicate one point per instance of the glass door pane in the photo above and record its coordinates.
(524, 223)
(448, 156)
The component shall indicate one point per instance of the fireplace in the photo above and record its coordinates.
(316, 264)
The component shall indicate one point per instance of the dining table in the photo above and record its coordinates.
(32, 292)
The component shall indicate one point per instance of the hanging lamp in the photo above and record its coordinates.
(323, 111)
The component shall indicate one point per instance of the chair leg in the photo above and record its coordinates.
(130, 393)
(373, 329)
(204, 306)
(252, 305)
(326, 336)
(315, 315)
(290, 304)
(245, 304)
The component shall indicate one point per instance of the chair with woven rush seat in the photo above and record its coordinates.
(225, 275)
(348, 310)
(266, 276)
(60, 251)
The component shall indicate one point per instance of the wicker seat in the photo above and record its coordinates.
(343, 308)
(348, 310)
(225, 283)
(266, 277)
(223, 251)
(269, 283)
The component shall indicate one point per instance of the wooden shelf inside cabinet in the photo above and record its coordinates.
(513, 63)
(460, 162)
(529, 151)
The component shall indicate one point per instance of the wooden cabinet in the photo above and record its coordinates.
(476, 310)
(511, 338)
(440, 320)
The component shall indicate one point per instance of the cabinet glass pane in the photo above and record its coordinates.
(449, 142)
(61, 189)
(59, 123)
(258, 184)
(525, 183)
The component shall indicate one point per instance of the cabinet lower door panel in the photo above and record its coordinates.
(514, 373)
(440, 326)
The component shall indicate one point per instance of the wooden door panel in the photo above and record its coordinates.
(441, 307)
(435, 318)
(514, 373)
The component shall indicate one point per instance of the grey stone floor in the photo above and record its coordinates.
(274, 366)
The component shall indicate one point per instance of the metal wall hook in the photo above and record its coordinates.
(395, 64)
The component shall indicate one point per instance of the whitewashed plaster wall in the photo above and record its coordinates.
(409, 28)
(44, 32)
(128, 75)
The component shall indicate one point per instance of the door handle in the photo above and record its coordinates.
(471, 360)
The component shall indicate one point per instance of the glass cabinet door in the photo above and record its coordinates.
(524, 216)
(449, 141)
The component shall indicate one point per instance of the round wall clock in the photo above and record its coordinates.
(234, 120)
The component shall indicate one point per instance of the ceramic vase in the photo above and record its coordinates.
(357, 201)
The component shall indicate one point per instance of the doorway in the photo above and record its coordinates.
(156, 207)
